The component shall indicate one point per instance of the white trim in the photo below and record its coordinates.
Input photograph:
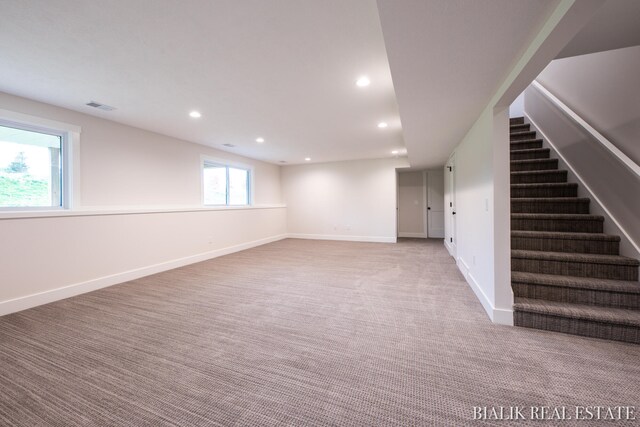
(500, 316)
(630, 164)
(349, 238)
(33, 300)
(413, 235)
(584, 184)
(228, 163)
(19, 118)
(449, 247)
(425, 200)
(127, 211)
(70, 160)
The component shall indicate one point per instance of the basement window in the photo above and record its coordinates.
(33, 167)
(225, 184)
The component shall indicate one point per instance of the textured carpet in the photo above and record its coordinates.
(297, 332)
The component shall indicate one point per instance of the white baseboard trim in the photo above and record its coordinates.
(450, 248)
(33, 300)
(348, 238)
(500, 316)
(413, 235)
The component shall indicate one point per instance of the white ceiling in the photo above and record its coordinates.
(447, 59)
(616, 25)
(284, 70)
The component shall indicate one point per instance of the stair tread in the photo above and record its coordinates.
(524, 141)
(579, 217)
(565, 235)
(544, 184)
(550, 199)
(623, 286)
(524, 132)
(539, 171)
(579, 311)
(532, 150)
(575, 257)
(534, 161)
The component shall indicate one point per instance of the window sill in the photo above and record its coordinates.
(126, 211)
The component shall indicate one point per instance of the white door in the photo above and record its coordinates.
(435, 204)
(411, 205)
(450, 206)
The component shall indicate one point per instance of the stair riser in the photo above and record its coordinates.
(530, 155)
(572, 268)
(576, 296)
(522, 135)
(577, 327)
(519, 127)
(526, 145)
(574, 207)
(559, 191)
(603, 247)
(568, 225)
(516, 120)
(534, 166)
(539, 178)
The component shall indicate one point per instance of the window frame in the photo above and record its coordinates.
(69, 157)
(212, 161)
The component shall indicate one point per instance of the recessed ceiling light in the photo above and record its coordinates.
(363, 81)
(195, 114)
(382, 125)
(307, 159)
(259, 140)
(394, 152)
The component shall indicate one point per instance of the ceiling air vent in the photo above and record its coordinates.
(100, 106)
(229, 145)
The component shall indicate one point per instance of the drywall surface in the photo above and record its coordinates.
(44, 259)
(123, 166)
(411, 204)
(614, 189)
(604, 89)
(516, 109)
(353, 200)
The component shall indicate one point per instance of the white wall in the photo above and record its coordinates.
(516, 109)
(482, 168)
(604, 89)
(353, 200)
(611, 186)
(411, 204)
(482, 222)
(135, 171)
(126, 166)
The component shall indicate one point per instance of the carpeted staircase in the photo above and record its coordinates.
(567, 276)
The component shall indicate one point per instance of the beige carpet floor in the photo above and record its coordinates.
(301, 333)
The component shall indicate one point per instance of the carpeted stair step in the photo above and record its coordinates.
(551, 205)
(577, 290)
(553, 241)
(519, 136)
(551, 189)
(538, 177)
(516, 120)
(613, 267)
(520, 127)
(592, 321)
(530, 154)
(533, 165)
(525, 144)
(573, 223)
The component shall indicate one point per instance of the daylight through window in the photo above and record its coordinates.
(30, 168)
(225, 185)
